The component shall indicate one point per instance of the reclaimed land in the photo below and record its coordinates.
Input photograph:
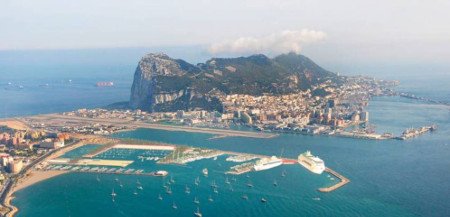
(58, 118)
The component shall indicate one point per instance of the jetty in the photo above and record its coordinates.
(105, 170)
(107, 147)
(343, 181)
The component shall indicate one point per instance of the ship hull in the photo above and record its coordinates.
(317, 170)
(267, 166)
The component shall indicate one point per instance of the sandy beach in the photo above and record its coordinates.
(36, 176)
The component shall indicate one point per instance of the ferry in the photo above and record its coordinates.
(104, 84)
(267, 163)
(311, 162)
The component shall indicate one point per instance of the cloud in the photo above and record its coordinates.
(283, 42)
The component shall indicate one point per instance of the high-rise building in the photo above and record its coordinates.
(364, 116)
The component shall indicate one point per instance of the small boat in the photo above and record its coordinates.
(250, 185)
(275, 183)
(140, 187)
(210, 199)
(138, 182)
(116, 179)
(245, 197)
(198, 213)
(196, 201)
(135, 192)
(283, 174)
(213, 184)
(113, 195)
(316, 198)
(160, 197)
(174, 206)
(263, 200)
(248, 176)
(205, 172)
(121, 185)
(169, 191)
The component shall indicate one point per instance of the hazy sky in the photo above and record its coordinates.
(400, 30)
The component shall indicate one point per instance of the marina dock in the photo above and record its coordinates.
(103, 170)
(343, 181)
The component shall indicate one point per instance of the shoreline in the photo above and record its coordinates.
(30, 179)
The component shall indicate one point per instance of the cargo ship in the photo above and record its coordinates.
(104, 84)
(267, 163)
(311, 162)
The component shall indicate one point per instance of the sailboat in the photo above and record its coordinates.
(171, 180)
(245, 197)
(169, 191)
(263, 200)
(198, 213)
(187, 190)
(216, 191)
(210, 199)
(275, 183)
(283, 174)
(227, 181)
(120, 184)
(196, 201)
(135, 192)
(174, 206)
(113, 195)
(213, 184)
(160, 197)
(249, 184)
(197, 181)
(98, 179)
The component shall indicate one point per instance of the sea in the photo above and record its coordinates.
(388, 178)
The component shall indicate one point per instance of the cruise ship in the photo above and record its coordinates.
(267, 163)
(311, 162)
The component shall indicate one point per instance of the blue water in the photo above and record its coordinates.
(390, 178)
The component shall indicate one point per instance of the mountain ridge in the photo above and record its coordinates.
(162, 83)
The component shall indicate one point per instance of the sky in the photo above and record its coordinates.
(342, 32)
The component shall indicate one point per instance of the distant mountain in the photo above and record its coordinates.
(165, 84)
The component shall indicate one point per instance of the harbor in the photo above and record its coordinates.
(343, 181)
(105, 170)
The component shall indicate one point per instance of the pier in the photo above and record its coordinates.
(107, 147)
(104, 170)
(343, 181)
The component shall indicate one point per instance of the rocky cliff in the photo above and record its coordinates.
(165, 84)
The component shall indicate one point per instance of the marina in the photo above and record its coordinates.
(105, 170)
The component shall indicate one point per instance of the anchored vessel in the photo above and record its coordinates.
(311, 162)
(267, 163)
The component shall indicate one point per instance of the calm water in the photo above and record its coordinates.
(390, 178)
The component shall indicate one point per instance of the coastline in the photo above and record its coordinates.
(30, 179)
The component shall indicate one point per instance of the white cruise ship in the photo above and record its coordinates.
(267, 163)
(311, 162)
